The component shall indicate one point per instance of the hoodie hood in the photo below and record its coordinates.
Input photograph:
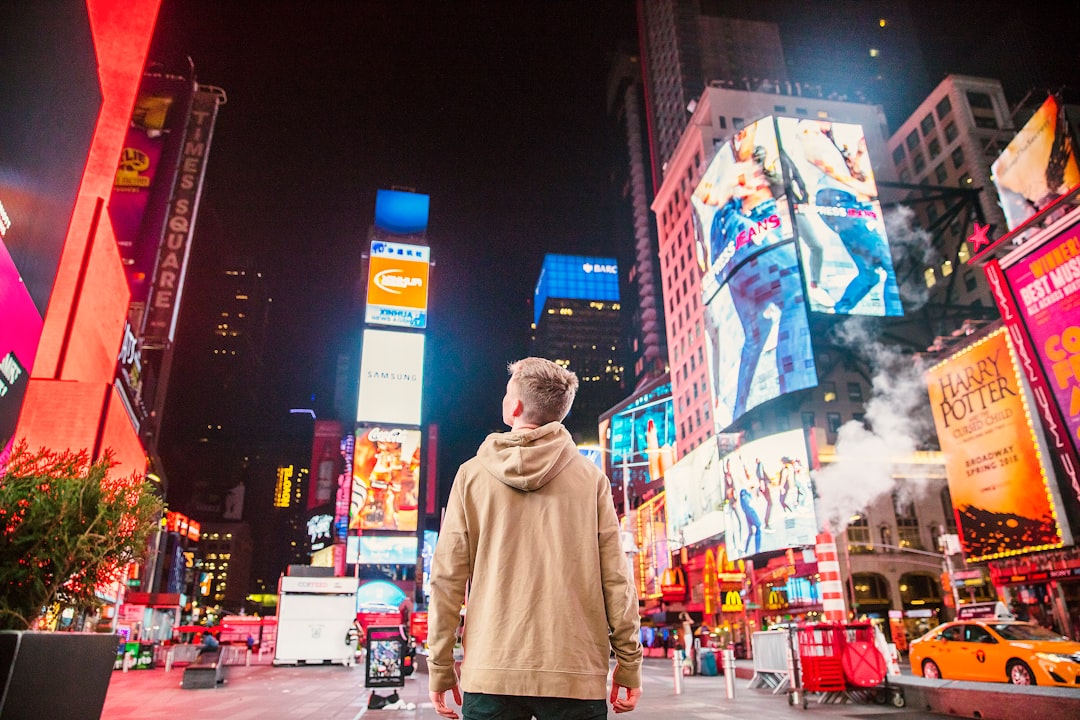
(527, 460)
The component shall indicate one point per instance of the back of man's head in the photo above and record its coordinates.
(546, 389)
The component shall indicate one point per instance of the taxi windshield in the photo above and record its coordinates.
(1024, 631)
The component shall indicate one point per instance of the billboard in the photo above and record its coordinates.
(1000, 491)
(400, 212)
(397, 290)
(145, 175)
(391, 377)
(739, 205)
(1038, 166)
(653, 557)
(695, 501)
(575, 277)
(838, 219)
(381, 550)
(19, 335)
(757, 335)
(769, 501)
(640, 437)
(325, 463)
(1046, 285)
(386, 479)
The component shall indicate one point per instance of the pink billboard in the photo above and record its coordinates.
(19, 334)
(1046, 285)
(326, 464)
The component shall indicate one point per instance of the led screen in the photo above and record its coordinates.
(1046, 284)
(641, 439)
(768, 499)
(653, 556)
(19, 334)
(757, 335)
(326, 463)
(391, 377)
(575, 277)
(695, 501)
(838, 219)
(431, 538)
(1000, 491)
(381, 550)
(739, 205)
(385, 486)
(397, 290)
(1037, 166)
(400, 212)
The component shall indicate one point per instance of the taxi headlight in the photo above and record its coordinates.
(1057, 657)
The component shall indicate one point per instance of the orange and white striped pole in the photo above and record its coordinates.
(830, 586)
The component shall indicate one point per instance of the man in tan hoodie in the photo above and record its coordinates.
(530, 531)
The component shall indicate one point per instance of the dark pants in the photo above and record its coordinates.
(480, 706)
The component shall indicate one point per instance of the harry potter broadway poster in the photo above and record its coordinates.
(999, 487)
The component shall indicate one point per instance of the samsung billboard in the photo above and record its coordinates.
(391, 377)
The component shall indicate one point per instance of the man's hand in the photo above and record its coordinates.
(621, 705)
(438, 699)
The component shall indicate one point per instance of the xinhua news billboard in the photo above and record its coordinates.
(397, 290)
(391, 377)
(1003, 499)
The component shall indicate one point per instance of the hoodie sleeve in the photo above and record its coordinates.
(620, 595)
(450, 568)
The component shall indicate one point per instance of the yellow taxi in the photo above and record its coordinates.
(998, 651)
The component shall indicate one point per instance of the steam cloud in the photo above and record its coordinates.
(897, 419)
(910, 246)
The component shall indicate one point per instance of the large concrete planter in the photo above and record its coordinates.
(54, 674)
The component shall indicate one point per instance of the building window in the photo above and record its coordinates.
(951, 132)
(833, 420)
(941, 174)
(808, 419)
(958, 157)
(932, 212)
(943, 108)
(934, 148)
(912, 140)
(918, 163)
(947, 508)
(970, 282)
(828, 390)
(905, 176)
(986, 122)
(907, 523)
(858, 535)
(946, 268)
(979, 100)
(898, 155)
(927, 125)
(854, 392)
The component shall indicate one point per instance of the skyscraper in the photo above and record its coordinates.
(578, 324)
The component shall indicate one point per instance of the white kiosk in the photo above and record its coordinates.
(314, 617)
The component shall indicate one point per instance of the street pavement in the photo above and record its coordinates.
(333, 692)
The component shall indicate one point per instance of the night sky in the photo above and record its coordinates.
(494, 109)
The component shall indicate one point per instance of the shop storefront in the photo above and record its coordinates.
(1042, 588)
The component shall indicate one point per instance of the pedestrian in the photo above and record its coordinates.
(354, 638)
(530, 529)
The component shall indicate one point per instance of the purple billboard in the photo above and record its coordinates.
(1046, 284)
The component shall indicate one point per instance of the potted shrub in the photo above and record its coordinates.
(67, 527)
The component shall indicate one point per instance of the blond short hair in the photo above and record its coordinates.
(546, 389)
